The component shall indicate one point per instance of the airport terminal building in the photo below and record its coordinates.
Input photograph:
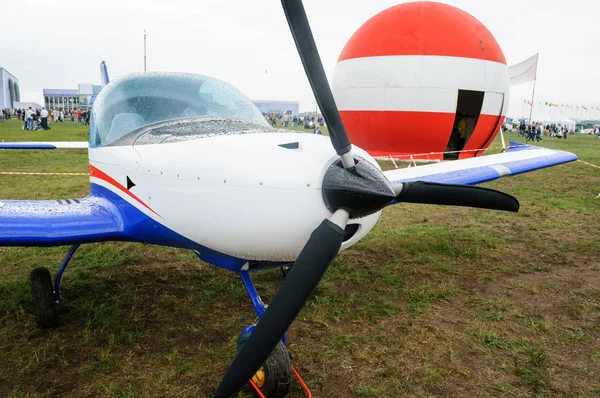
(68, 99)
(9, 89)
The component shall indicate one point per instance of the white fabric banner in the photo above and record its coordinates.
(523, 72)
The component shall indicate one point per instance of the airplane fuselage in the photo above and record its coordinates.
(251, 196)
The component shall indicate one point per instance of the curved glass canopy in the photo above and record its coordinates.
(140, 100)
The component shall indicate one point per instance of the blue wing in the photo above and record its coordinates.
(518, 159)
(59, 222)
(102, 216)
(45, 145)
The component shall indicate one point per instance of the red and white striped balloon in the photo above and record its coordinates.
(397, 80)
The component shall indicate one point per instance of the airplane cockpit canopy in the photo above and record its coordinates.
(206, 105)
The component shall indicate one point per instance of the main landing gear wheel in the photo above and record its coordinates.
(42, 292)
(273, 379)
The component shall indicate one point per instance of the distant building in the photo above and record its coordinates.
(69, 99)
(278, 107)
(9, 89)
(57, 98)
(25, 105)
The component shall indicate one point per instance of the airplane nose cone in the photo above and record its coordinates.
(362, 191)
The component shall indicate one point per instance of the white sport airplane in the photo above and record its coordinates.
(188, 161)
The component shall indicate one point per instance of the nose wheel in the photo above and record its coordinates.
(273, 379)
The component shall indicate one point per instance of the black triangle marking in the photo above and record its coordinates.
(290, 145)
(130, 183)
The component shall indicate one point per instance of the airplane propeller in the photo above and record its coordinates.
(434, 193)
(305, 42)
(352, 188)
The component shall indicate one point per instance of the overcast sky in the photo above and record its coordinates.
(248, 44)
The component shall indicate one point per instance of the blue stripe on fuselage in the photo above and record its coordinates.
(139, 227)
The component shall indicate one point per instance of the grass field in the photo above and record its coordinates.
(434, 302)
(67, 131)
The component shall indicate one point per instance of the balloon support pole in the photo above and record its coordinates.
(304, 387)
(502, 138)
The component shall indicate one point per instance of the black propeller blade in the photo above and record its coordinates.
(305, 43)
(321, 248)
(456, 195)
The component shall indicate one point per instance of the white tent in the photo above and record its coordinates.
(540, 115)
(565, 121)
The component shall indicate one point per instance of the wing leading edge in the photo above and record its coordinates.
(59, 222)
(517, 160)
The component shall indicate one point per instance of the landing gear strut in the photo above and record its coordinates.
(46, 297)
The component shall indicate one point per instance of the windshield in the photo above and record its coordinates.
(135, 101)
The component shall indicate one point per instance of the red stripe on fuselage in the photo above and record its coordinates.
(94, 172)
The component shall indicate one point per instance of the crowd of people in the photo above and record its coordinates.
(308, 121)
(37, 119)
(534, 131)
(5, 114)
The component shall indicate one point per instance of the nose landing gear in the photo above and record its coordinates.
(273, 379)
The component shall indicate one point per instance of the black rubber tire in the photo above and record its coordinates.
(42, 292)
(278, 373)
